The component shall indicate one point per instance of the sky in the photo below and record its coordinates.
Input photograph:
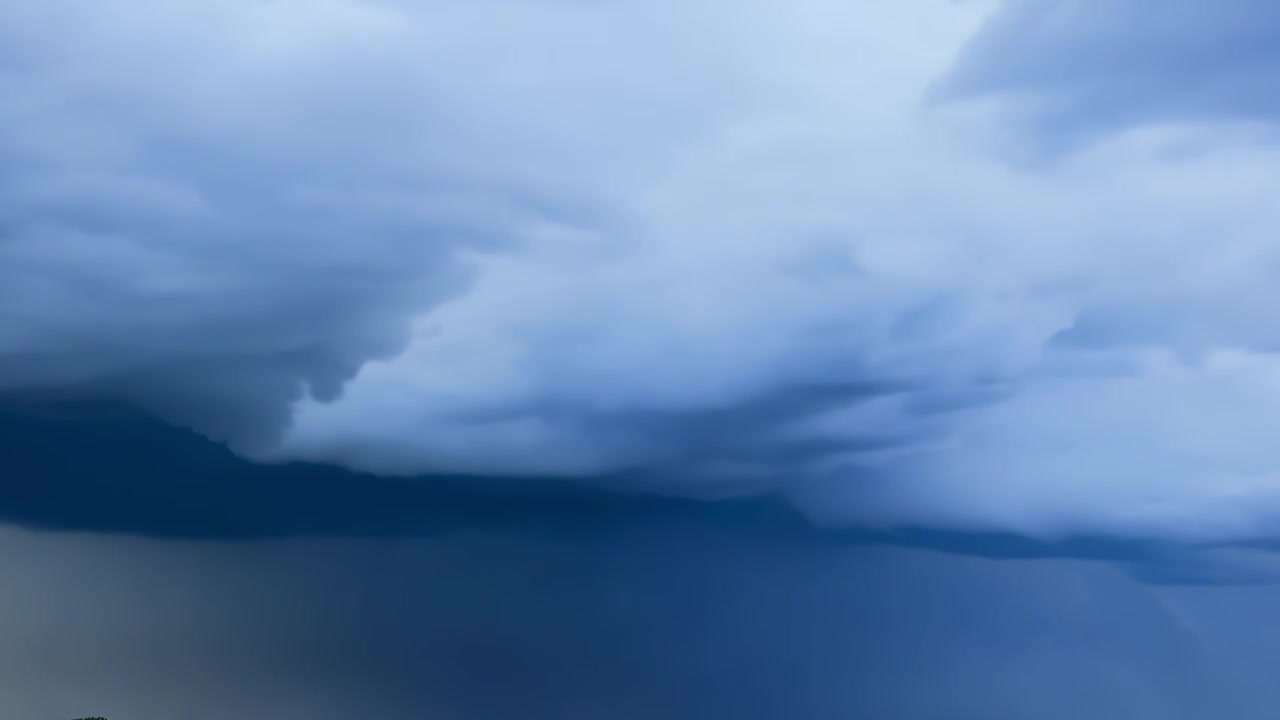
(584, 358)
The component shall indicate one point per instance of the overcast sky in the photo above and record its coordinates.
(846, 292)
(961, 264)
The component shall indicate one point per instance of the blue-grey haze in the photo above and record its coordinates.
(547, 359)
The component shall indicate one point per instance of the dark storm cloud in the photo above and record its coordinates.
(635, 359)
(109, 470)
(180, 231)
(217, 211)
(1093, 66)
(706, 250)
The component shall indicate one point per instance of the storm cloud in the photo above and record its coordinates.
(572, 359)
(729, 250)
(1090, 67)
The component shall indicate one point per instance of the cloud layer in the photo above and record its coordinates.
(732, 249)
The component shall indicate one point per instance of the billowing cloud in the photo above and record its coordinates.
(708, 251)
(1088, 67)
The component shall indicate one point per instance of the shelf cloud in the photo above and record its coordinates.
(715, 251)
